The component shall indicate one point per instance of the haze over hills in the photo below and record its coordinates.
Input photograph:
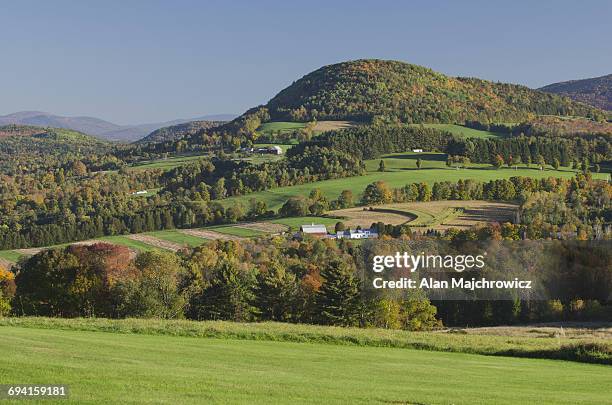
(98, 127)
(596, 91)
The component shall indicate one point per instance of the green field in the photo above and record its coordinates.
(401, 170)
(424, 218)
(176, 236)
(10, 255)
(234, 230)
(269, 127)
(136, 368)
(127, 242)
(166, 164)
(173, 235)
(462, 131)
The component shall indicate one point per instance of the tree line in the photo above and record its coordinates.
(272, 279)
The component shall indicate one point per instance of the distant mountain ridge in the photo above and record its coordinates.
(98, 127)
(596, 91)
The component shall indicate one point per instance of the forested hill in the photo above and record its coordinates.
(26, 148)
(596, 91)
(387, 92)
(54, 134)
(364, 89)
(179, 131)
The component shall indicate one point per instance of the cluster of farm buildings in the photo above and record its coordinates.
(272, 150)
(320, 231)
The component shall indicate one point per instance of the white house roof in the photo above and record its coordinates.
(313, 228)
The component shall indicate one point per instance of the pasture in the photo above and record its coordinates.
(175, 239)
(401, 169)
(175, 236)
(286, 126)
(438, 215)
(166, 164)
(105, 367)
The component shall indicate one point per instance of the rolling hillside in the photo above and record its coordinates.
(596, 91)
(33, 147)
(364, 89)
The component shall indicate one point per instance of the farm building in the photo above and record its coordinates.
(274, 150)
(417, 150)
(314, 230)
(357, 234)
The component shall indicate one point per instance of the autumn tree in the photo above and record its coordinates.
(377, 193)
(345, 200)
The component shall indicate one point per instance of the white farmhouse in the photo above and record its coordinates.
(357, 234)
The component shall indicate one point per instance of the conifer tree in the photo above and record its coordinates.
(338, 298)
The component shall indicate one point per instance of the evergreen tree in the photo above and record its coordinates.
(276, 293)
(229, 296)
(338, 297)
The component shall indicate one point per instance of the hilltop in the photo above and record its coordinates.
(372, 91)
(596, 91)
(364, 90)
(175, 132)
(53, 134)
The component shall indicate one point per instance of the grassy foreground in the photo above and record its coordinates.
(135, 368)
(585, 350)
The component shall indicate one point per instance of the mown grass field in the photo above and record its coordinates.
(173, 235)
(286, 126)
(127, 242)
(282, 126)
(401, 170)
(167, 164)
(234, 230)
(10, 255)
(142, 367)
(181, 238)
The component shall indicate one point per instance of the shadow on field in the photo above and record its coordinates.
(440, 157)
(486, 213)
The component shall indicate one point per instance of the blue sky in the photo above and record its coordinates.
(132, 62)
